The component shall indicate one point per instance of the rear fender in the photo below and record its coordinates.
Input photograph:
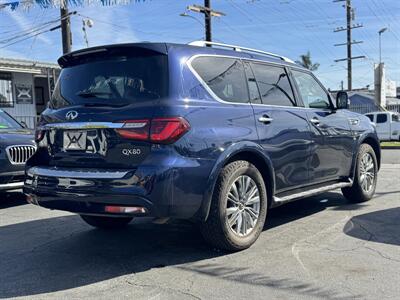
(226, 155)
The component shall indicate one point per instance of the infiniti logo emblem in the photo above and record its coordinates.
(71, 115)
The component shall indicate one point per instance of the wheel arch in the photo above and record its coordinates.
(371, 140)
(374, 143)
(249, 152)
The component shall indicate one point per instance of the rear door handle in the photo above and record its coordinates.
(315, 121)
(265, 119)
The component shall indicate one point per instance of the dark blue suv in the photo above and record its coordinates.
(214, 133)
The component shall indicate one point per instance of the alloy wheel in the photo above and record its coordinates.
(367, 172)
(243, 205)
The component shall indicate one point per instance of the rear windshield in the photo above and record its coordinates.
(117, 81)
(6, 122)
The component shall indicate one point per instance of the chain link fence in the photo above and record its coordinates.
(363, 109)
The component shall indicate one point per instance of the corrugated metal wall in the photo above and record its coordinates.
(25, 112)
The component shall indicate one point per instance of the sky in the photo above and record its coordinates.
(286, 27)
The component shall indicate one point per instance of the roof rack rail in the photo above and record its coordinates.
(239, 49)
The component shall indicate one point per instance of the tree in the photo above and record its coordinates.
(305, 61)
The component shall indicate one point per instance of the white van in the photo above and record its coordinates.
(387, 125)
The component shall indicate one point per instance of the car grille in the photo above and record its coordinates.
(20, 154)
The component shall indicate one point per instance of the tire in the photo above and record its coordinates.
(358, 192)
(106, 222)
(242, 234)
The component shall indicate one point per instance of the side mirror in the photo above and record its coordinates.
(342, 100)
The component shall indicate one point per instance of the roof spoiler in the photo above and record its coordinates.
(69, 58)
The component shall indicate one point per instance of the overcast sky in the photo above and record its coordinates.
(287, 27)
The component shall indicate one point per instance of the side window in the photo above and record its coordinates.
(381, 118)
(252, 85)
(371, 117)
(224, 76)
(313, 95)
(274, 85)
(395, 118)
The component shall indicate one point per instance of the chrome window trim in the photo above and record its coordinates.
(62, 173)
(208, 89)
(9, 155)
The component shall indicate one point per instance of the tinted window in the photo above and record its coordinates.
(311, 92)
(274, 85)
(6, 122)
(381, 118)
(252, 85)
(116, 81)
(371, 117)
(395, 118)
(224, 76)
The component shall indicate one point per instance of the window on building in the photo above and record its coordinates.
(6, 94)
(224, 76)
(381, 118)
(274, 85)
(313, 95)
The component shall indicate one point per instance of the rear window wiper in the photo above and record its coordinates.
(88, 94)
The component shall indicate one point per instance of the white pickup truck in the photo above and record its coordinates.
(387, 125)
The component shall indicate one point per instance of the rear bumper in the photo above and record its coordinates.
(163, 191)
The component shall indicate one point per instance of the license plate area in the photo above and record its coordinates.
(74, 140)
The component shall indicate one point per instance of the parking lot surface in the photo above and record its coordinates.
(319, 247)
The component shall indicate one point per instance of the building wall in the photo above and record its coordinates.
(23, 112)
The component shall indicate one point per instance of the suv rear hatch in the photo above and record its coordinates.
(101, 112)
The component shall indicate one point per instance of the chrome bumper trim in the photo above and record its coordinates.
(11, 186)
(66, 173)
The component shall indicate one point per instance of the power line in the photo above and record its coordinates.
(23, 37)
(29, 31)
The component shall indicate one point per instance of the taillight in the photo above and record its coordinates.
(135, 130)
(159, 130)
(168, 130)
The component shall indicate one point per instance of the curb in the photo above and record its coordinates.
(390, 147)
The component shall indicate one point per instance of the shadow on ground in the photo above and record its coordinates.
(378, 226)
(10, 199)
(56, 254)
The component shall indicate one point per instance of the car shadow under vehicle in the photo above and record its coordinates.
(13, 198)
(61, 253)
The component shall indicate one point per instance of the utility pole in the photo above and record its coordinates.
(208, 14)
(380, 43)
(207, 19)
(350, 16)
(66, 35)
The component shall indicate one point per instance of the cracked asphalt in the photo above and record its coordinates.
(319, 247)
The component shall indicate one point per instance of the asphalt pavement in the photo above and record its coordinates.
(319, 247)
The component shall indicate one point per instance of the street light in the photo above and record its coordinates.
(380, 47)
(185, 14)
